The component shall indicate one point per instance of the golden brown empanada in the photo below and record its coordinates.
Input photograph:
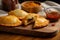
(19, 13)
(9, 20)
(40, 22)
(30, 18)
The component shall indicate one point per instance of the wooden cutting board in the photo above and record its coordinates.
(48, 31)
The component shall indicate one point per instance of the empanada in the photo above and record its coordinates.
(40, 22)
(19, 13)
(30, 18)
(10, 20)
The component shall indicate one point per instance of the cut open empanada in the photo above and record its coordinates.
(40, 22)
(30, 18)
(19, 13)
(9, 20)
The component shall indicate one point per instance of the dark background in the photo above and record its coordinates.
(58, 1)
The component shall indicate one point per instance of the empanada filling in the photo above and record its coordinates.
(29, 20)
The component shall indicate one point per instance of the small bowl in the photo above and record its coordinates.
(52, 14)
(32, 9)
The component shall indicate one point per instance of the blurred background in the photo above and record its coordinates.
(57, 1)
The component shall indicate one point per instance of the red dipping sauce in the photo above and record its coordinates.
(53, 15)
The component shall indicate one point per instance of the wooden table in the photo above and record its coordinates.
(7, 36)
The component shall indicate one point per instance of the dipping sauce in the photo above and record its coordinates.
(31, 6)
(53, 15)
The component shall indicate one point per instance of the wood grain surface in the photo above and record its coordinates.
(8, 36)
